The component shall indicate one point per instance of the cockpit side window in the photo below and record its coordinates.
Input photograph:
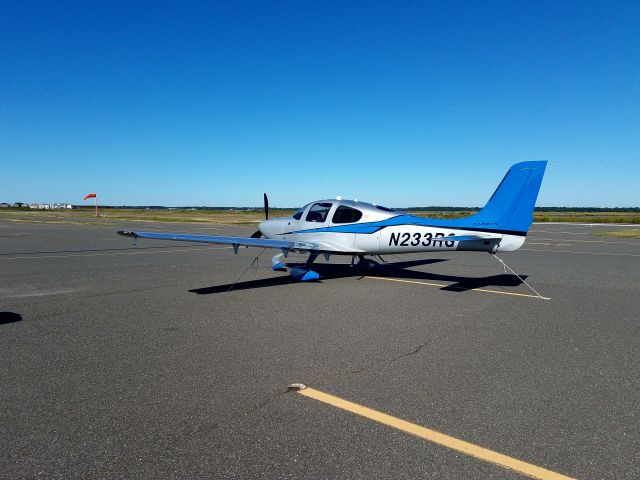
(318, 212)
(346, 214)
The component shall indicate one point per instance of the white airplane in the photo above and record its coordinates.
(359, 229)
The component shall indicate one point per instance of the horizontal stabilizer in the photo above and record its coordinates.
(464, 238)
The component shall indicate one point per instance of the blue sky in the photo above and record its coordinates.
(398, 103)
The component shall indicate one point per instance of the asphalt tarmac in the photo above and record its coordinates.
(137, 362)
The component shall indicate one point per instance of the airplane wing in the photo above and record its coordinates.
(284, 245)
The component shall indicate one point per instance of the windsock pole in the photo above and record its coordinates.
(93, 195)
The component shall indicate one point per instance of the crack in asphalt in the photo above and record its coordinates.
(238, 415)
(279, 393)
(413, 352)
(377, 363)
(203, 428)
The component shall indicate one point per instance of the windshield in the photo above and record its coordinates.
(298, 213)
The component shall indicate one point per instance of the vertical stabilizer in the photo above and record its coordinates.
(510, 208)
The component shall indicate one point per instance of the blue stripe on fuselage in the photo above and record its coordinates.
(372, 227)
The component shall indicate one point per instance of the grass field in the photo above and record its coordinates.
(627, 233)
(109, 216)
(251, 217)
(588, 217)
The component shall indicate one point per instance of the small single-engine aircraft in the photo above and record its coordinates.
(359, 229)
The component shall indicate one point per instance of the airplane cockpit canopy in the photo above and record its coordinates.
(346, 211)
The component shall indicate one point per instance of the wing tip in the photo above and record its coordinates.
(126, 233)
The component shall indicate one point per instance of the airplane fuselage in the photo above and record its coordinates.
(379, 230)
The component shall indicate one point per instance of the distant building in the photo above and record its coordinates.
(46, 206)
(4, 205)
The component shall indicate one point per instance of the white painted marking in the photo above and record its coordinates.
(586, 241)
(186, 249)
(550, 244)
(7, 294)
(583, 253)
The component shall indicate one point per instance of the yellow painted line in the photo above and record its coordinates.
(112, 254)
(484, 290)
(435, 437)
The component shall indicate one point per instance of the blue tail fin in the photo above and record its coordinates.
(510, 208)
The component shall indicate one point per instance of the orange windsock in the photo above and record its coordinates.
(91, 195)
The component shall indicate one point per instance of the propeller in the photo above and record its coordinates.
(266, 206)
(258, 234)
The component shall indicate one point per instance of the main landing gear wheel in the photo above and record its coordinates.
(364, 262)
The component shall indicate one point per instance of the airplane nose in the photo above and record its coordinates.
(272, 228)
(264, 229)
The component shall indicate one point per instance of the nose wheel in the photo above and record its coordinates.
(277, 263)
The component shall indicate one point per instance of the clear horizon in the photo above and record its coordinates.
(412, 104)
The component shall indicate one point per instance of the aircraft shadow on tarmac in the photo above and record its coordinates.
(397, 270)
(9, 317)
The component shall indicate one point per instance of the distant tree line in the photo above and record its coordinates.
(537, 209)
